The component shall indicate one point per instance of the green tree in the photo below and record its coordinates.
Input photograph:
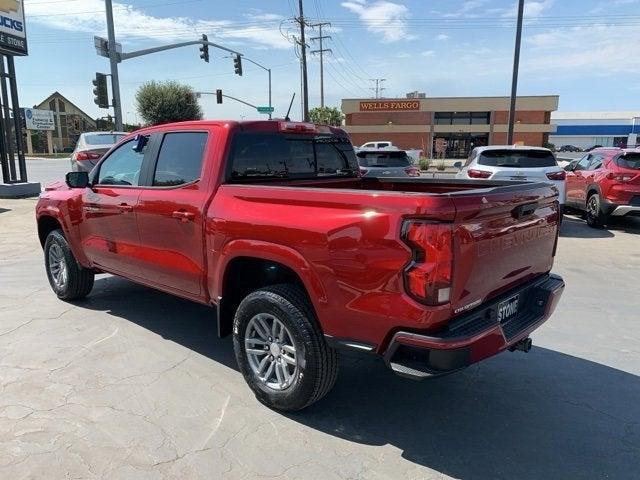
(165, 102)
(326, 116)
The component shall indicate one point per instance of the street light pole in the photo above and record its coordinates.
(268, 70)
(514, 80)
(113, 60)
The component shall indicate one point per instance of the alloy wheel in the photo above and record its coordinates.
(271, 351)
(58, 266)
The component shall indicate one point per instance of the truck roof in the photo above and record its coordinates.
(275, 125)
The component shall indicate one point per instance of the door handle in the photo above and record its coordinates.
(123, 207)
(183, 216)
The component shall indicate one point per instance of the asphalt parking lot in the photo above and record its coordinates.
(132, 383)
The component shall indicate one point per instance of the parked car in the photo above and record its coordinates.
(386, 163)
(592, 148)
(605, 183)
(271, 224)
(91, 147)
(413, 153)
(569, 148)
(533, 164)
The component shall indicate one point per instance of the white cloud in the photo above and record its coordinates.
(442, 37)
(427, 53)
(404, 55)
(132, 22)
(467, 8)
(531, 9)
(382, 17)
(606, 48)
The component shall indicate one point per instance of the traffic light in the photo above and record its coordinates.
(100, 91)
(237, 63)
(219, 96)
(204, 49)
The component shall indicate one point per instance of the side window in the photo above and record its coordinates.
(596, 162)
(329, 159)
(383, 145)
(123, 166)
(180, 159)
(584, 162)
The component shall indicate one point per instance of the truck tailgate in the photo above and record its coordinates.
(502, 237)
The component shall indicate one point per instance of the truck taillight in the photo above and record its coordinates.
(561, 175)
(297, 127)
(428, 277)
(478, 173)
(363, 171)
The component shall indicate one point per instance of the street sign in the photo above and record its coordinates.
(13, 37)
(265, 109)
(102, 46)
(39, 119)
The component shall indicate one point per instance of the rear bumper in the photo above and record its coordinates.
(622, 210)
(476, 335)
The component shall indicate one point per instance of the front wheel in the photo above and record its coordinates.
(596, 218)
(68, 279)
(280, 349)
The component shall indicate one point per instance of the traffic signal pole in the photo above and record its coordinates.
(115, 57)
(113, 60)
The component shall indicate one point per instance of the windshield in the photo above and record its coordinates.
(103, 138)
(383, 159)
(265, 155)
(630, 160)
(517, 158)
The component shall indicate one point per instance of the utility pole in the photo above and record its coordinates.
(113, 60)
(303, 59)
(514, 80)
(321, 51)
(378, 88)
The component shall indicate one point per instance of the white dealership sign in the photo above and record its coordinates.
(39, 119)
(13, 35)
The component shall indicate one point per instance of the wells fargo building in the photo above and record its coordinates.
(457, 123)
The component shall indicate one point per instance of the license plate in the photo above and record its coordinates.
(507, 309)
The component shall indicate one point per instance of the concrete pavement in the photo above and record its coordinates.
(132, 383)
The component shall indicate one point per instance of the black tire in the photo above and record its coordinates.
(317, 363)
(78, 281)
(594, 215)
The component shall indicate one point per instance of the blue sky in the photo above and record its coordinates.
(585, 51)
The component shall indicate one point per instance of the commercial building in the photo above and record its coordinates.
(448, 126)
(586, 129)
(70, 122)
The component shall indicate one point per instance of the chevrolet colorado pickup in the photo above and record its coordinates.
(271, 224)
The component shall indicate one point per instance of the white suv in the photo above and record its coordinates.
(500, 162)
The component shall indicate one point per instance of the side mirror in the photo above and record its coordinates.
(139, 142)
(77, 179)
(457, 165)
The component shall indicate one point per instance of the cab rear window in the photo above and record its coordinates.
(630, 160)
(260, 155)
(517, 158)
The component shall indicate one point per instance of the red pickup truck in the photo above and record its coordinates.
(271, 224)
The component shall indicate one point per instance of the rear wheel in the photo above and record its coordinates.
(280, 349)
(595, 217)
(68, 279)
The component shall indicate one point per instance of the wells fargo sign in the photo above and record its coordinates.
(378, 105)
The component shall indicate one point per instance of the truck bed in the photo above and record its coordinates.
(504, 234)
